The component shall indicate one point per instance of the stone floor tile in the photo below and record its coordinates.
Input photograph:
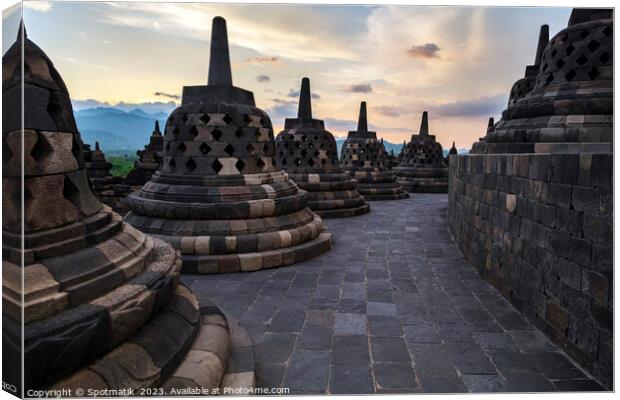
(350, 350)
(350, 324)
(315, 337)
(275, 347)
(384, 326)
(350, 379)
(307, 372)
(389, 349)
(394, 376)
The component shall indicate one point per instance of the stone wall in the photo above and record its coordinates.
(539, 227)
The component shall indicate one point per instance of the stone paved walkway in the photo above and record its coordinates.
(393, 307)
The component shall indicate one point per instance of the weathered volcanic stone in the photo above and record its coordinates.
(218, 195)
(308, 153)
(100, 302)
(365, 159)
(148, 161)
(532, 212)
(570, 107)
(422, 168)
(110, 189)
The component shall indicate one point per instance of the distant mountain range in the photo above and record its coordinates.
(125, 131)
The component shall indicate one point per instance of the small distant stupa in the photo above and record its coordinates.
(309, 154)
(365, 158)
(148, 161)
(422, 168)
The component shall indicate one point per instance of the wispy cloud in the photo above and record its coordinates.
(358, 88)
(481, 106)
(295, 93)
(261, 60)
(263, 78)
(427, 50)
(391, 111)
(168, 95)
(40, 6)
(86, 64)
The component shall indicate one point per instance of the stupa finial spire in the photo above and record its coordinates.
(305, 104)
(219, 63)
(156, 131)
(362, 122)
(543, 40)
(22, 28)
(97, 146)
(424, 125)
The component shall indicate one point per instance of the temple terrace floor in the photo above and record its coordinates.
(392, 308)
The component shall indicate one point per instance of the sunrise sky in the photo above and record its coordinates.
(456, 62)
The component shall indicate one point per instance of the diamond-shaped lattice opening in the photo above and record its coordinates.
(316, 153)
(239, 132)
(604, 58)
(205, 118)
(570, 75)
(564, 38)
(570, 49)
(560, 63)
(193, 132)
(240, 165)
(549, 79)
(204, 148)
(266, 148)
(181, 148)
(167, 146)
(260, 163)
(297, 144)
(217, 134)
(175, 133)
(581, 60)
(71, 192)
(554, 52)
(304, 153)
(229, 149)
(185, 118)
(227, 118)
(41, 149)
(172, 164)
(284, 161)
(250, 149)
(304, 138)
(323, 161)
(311, 162)
(584, 33)
(190, 165)
(593, 74)
(593, 45)
(217, 166)
(607, 31)
(273, 162)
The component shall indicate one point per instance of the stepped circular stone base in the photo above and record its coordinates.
(187, 346)
(344, 212)
(378, 185)
(244, 262)
(331, 195)
(423, 179)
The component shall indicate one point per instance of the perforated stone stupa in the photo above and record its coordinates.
(309, 154)
(365, 159)
(422, 168)
(218, 195)
(569, 109)
(148, 161)
(102, 307)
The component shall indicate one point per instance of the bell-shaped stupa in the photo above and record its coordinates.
(218, 195)
(570, 107)
(148, 161)
(88, 301)
(309, 154)
(422, 168)
(365, 159)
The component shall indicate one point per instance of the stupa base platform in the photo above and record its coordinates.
(343, 212)
(424, 186)
(423, 179)
(378, 185)
(187, 349)
(254, 261)
(331, 195)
